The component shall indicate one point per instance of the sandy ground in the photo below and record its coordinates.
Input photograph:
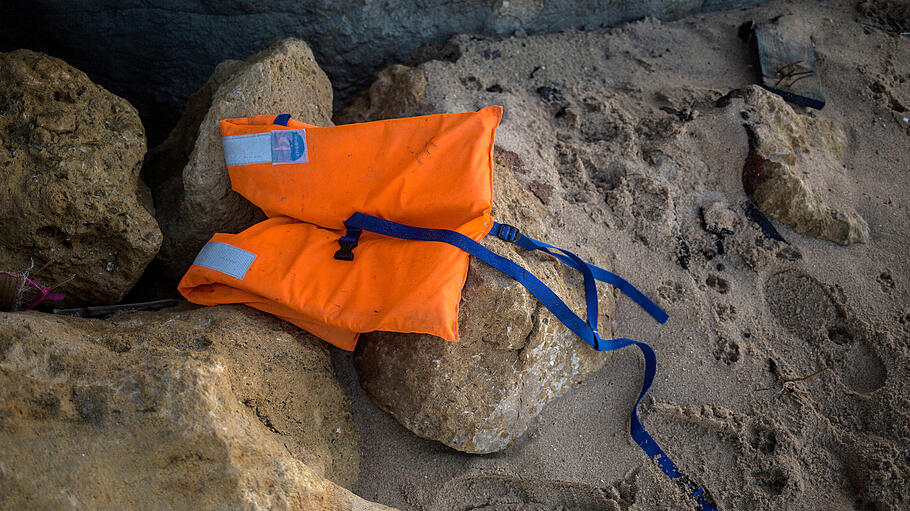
(742, 322)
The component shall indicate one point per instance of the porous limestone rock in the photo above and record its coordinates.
(187, 172)
(395, 93)
(213, 408)
(71, 202)
(513, 356)
(792, 171)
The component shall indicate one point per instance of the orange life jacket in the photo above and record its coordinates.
(432, 171)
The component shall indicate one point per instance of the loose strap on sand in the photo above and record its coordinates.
(586, 330)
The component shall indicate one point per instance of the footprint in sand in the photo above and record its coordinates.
(808, 310)
(504, 493)
(726, 351)
(773, 481)
(718, 283)
(763, 437)
(760, 453)
(860, 368)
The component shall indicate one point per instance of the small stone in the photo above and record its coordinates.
(792, 159)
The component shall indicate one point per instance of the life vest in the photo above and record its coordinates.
(433, 171)
(370, 228)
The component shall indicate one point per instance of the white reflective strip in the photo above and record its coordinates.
(276, 147)
(247, 149)
(225, 258)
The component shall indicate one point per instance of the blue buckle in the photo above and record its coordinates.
(347, 244)
(508, 233)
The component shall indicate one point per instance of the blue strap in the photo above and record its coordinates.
(587, 331)
(282, 120)
(509, 233)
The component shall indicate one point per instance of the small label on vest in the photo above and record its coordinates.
(289, 146)
(225, 258)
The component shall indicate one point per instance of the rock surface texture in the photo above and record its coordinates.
(215, 408)
(793, 171)
(397, 90)
(71, 201)
(480, 394)
(187, 172)
(167, 50)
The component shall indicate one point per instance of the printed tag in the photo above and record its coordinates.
(289, 146)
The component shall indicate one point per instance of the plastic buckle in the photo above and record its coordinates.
(347, 244)
(508, 232)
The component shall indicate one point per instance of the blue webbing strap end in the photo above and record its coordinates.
(702, 496)
(282, 120)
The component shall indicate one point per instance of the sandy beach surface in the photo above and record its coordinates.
(782, 369)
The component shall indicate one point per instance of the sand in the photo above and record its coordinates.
(728, 404)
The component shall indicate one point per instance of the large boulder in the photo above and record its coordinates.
(481, 393)
(214, 408)
(71, 202)
(187, 172)
(793, 172)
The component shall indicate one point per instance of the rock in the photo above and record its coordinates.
(513, 357)
(71, 202)
(395, 93)
(213, 408)
(187, 172)
(792, 160)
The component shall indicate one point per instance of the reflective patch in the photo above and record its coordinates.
(225, 258)
(247, 149)
(275, 147)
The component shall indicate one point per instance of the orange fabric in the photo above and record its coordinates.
(432, 171)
